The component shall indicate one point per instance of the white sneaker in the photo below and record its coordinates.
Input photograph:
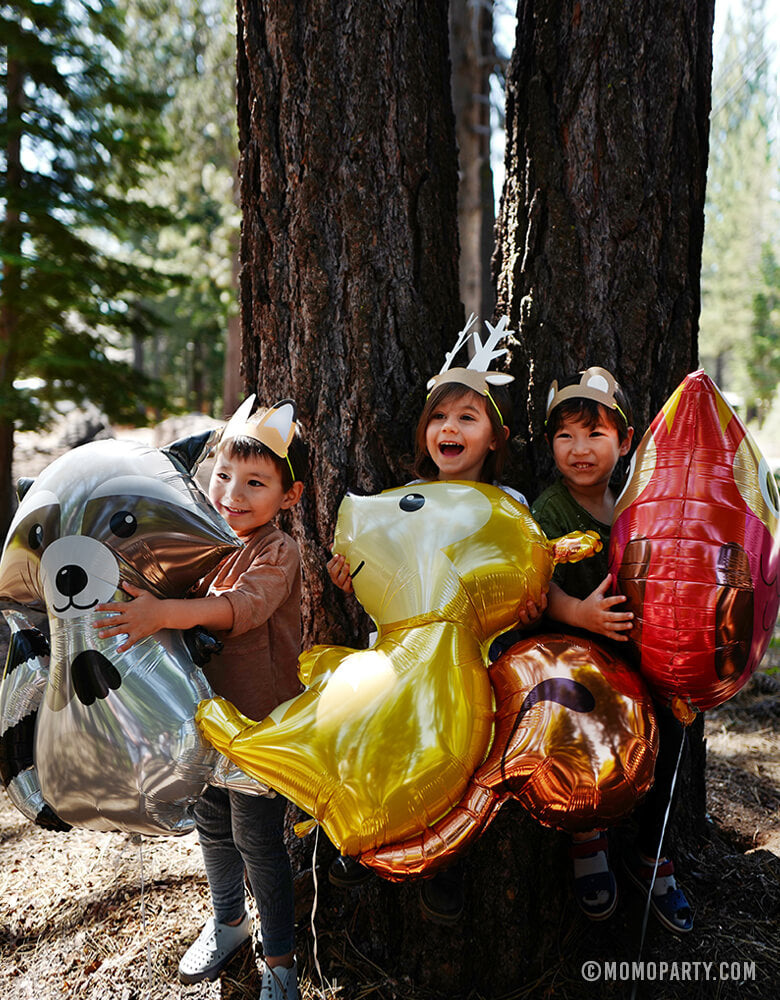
(216, 944)
(279, 983)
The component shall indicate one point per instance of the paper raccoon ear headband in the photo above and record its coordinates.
(275, 429)
(476, 375)
(596, 383)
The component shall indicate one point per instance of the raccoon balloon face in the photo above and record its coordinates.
(115, 744)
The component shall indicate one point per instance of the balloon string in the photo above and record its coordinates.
(314, 908)
(139, 840)
(658, 856)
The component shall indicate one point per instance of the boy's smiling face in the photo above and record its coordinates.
(248, 492)
(586, 455)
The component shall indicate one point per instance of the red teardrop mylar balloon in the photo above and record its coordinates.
(695, 549)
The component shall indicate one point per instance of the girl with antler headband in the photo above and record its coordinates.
(462, 434)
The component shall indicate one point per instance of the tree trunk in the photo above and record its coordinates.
(349, 282)
(231, 377)
(349, 296)
(473, 58)
(600, 232)
(11, 234)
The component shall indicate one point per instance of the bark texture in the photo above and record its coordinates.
(349, 296)
(11, 234)
(349, 274)
(601, 225)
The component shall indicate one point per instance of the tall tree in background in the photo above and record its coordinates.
(742, 216)
(189, 49)
(600, 232)
(74, 132)
(763, 360)
(474, 57)
(349, 285)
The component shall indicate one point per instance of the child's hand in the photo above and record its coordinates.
(338, 571)
(596, 615)
(138, 618)
(530, 612)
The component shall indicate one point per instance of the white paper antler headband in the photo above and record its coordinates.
(476, 375)
(596, 383)
(275, 429)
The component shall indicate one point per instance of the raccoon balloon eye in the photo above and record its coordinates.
(35, 537)
(123, 523)
(412, 501)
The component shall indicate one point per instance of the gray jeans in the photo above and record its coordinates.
(240, 833)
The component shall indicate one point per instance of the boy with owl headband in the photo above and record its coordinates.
(588, 427)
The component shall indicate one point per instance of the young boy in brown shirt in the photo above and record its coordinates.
(252, 602)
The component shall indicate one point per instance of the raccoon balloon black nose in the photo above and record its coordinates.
(71, 580)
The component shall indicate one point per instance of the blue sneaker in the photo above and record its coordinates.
(594, 882)
(668, 902)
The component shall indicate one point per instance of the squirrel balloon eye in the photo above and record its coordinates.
(35, 537)
(412, 501)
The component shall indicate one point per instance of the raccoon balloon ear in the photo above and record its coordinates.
(23, 484)
(187, 453)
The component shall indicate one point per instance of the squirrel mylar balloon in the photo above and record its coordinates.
(385, 740)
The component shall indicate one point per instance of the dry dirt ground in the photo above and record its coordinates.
(102, 917)
(99, 916)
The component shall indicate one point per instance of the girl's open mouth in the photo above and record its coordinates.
(450, 448)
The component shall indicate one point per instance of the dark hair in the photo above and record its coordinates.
(243, 446)
(425, 467)
(589, 411)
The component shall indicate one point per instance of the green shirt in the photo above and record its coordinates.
(557, 513)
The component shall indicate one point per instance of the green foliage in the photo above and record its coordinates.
(77, 137)
(190, 48)
(764, 356)
(742, 211)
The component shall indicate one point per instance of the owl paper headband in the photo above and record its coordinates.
(476, 375)
(275, 429)
(596, 383)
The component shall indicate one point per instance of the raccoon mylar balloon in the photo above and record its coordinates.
(89, 737)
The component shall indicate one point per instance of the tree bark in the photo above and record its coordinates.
(600, 230)
(11, 284)
(349, 277)
(232, 374)
(349, 297)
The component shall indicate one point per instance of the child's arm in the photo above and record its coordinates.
(338, 571)
(593, 613)
(147, 614)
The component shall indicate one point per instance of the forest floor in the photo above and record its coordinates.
(100, 916)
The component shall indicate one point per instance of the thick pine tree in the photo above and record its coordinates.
(349, 297)
(349, 271)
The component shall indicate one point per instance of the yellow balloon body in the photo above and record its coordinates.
(384, 741)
